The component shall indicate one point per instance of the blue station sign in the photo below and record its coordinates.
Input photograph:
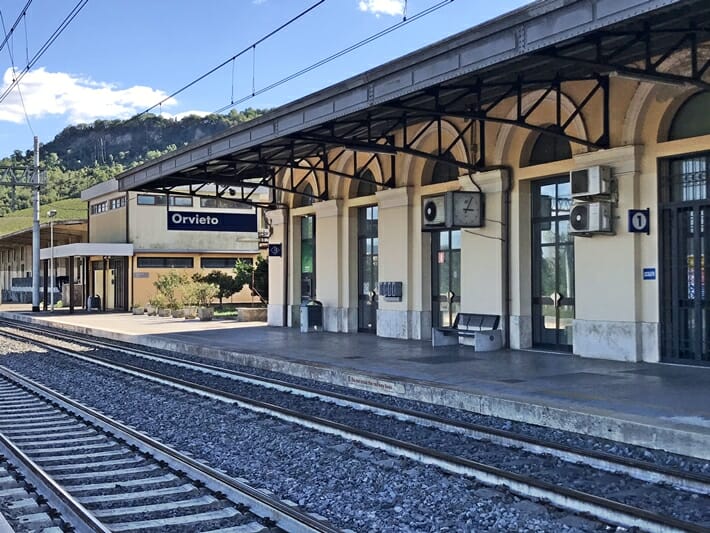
(649, 273)
(211, 221)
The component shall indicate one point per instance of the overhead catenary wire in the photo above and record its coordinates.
(15, 24)
(235, 56)
(14, 71)
(47, 44)
(336, 55)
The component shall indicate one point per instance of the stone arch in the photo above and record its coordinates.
(418, 170)
(539, 142)
(311, 181)
(347, 187)
(507, 133)
(674, 111)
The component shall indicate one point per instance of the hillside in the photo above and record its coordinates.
(70, 209)
(86, 154)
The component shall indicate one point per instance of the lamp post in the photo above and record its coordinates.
(51, 214)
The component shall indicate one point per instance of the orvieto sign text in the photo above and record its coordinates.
(210, 221)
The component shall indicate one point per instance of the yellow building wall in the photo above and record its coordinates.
(616, 310)
(109, 226)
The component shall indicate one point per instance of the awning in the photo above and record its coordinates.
(88, 249)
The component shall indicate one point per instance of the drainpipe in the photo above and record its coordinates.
(284, 260)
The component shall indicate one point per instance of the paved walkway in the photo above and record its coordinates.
(660, 405)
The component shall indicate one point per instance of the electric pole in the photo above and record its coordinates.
(35, 232)
(11, 176)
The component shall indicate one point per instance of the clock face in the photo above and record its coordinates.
(467, 209)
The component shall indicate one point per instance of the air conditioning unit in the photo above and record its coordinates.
(434, 212)
(592, 181)
(591, 217)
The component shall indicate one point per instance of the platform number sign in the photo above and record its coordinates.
(639, 221)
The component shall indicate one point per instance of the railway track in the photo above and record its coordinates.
(23, 506)
(573, 490)
(102, 476)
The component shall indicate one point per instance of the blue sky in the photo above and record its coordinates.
(118, 58)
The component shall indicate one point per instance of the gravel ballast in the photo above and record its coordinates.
(353, 486)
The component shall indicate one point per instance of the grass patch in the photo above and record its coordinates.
(225, 313)
(69, 209)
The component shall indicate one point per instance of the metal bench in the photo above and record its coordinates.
(483, 328)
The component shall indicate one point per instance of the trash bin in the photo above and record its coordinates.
(93, 303)
(311, 316)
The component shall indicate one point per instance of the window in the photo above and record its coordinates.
(181, 201)
(165, 262)
(117, 203)
(151, 199)
(307, 197)
(222, 203)
(549, 147)
(686, 179)
(101, 207)
(445, 171)
(692, 118)
(366, 188)
(222, 262)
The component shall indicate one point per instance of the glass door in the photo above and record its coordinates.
(552, 265)
(367, 269)
(308, 257)
(685, 303)
(445, 277)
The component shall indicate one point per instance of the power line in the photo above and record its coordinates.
(338, 54)
(60, 29)
(19, 18)
(14, 72)
(235, 56)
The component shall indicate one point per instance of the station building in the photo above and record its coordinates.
(135, 237)
(549, 166)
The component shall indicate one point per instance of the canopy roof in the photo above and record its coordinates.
(543, 45)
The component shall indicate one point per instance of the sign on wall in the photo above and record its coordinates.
(275, 250)
(211, 221)
(640, 221)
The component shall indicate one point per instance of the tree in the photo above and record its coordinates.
(226, 284)
(261, 279)
(256, 277)
(169, 286)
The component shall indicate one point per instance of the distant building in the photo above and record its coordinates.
(16, 262)
(134, 237)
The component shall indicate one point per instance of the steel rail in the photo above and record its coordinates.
(284, 515)
(578, 501)
(640, 469)
(70, 509)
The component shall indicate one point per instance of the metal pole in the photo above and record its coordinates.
(35, 230)
(51, 264)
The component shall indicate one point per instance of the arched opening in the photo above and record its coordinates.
(548, 147)
(366, 188)
(684, 204)
(306, 198)
(444, 171)
(692, 119)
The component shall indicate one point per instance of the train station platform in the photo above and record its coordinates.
(657, 405)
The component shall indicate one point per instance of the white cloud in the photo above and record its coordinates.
(387, 7)
(79, 99)
(183, 114)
